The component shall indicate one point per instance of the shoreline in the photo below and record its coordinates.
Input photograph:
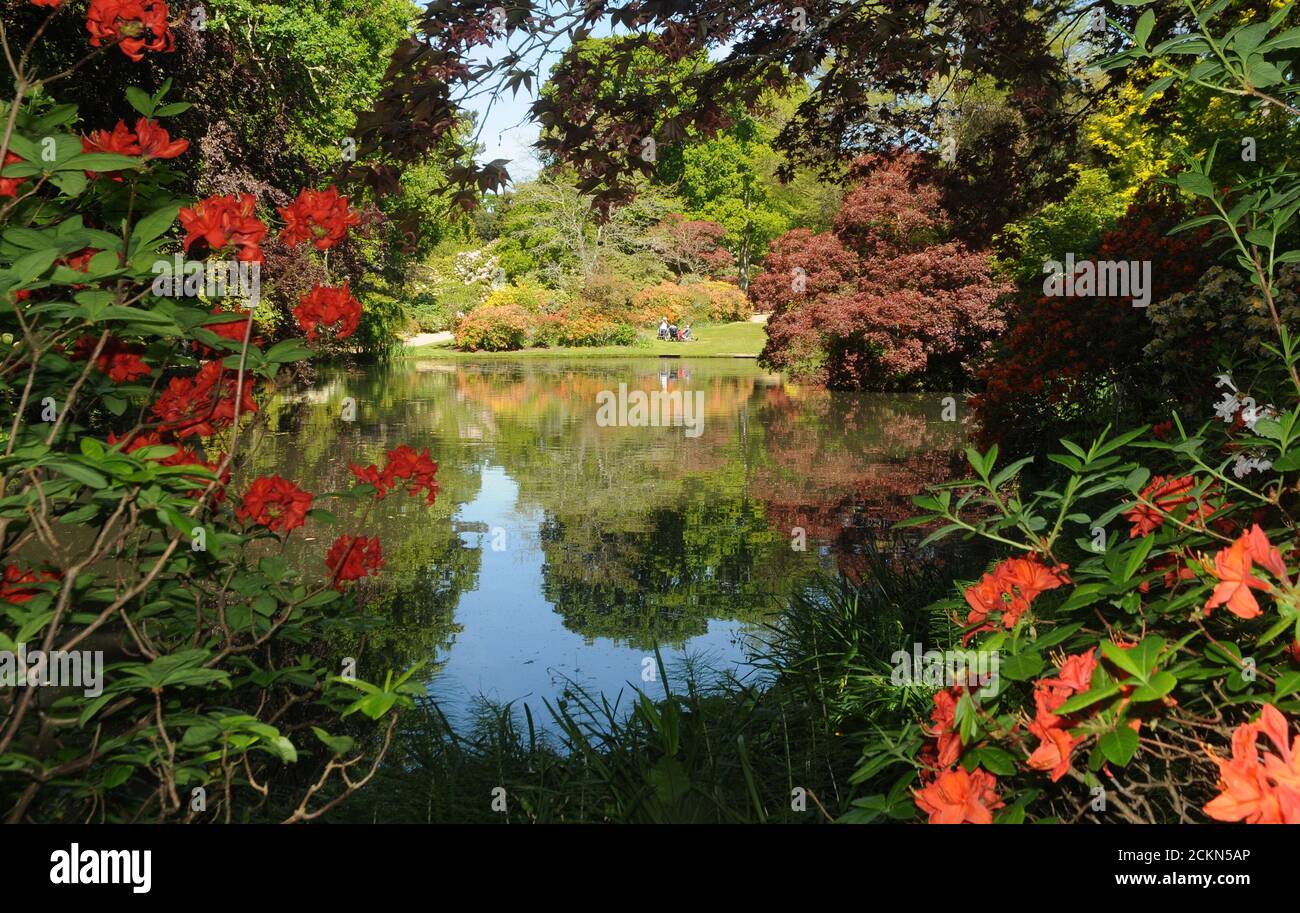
(738, 340)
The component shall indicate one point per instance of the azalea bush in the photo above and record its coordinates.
(129, 528)
(495, 328)
(1147, 608)
(1075, 364)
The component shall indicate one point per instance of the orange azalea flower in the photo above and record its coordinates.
(1076, 672)
(944, 717)
(1054, 752)
(1165, 494)
(1056, 743)
(1264, 554)
(1012, 586)
(1232, 567)
(957, 796)
(1255, 792)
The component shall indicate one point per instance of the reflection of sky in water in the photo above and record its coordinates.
(513, 645)
(616, 539)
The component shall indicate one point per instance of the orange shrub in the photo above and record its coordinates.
(494, 328)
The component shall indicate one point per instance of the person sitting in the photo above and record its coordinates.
(672, 332)
(663, 327)
(686, 332)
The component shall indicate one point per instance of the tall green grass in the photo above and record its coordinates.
(780, 745)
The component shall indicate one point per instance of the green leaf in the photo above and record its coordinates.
(996, 761)
(1088, 698)
(78, 473)
(140, 100)
(1119, 745)
(154, 225)
(1161, 684)
(100, 161)
(29, 266)
(1197, 184)
(1021, 667)
(338, 744)
(1121, 658)
(1142, 31)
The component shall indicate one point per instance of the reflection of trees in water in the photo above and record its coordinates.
(844, 466)
(647, 534)
(408, 608)
(713, 557)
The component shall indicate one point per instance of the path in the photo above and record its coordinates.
(430, 339)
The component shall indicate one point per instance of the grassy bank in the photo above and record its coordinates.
(724, 340)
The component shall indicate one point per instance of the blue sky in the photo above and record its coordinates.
(507, 131)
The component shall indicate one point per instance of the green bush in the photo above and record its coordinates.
(384, 319)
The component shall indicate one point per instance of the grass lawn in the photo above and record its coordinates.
(723, 340)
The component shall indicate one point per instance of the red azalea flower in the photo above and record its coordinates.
(319, 216)
(182, 457)
(80, 261)
(122, 367)
(324, 307)
(49, 3)
(275, 503)
(224, 221)
(121, 362)
(13, 588)
(202, 404)
(354, 558)
(233, 330)
(121, 141)
(135, 26)
(156, 143)
(404, 464)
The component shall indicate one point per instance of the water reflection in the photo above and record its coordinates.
(562, 549)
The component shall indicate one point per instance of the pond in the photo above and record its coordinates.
(566, 548)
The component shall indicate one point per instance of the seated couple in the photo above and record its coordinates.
(669, 331)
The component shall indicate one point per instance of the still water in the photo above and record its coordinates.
(561, 550)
